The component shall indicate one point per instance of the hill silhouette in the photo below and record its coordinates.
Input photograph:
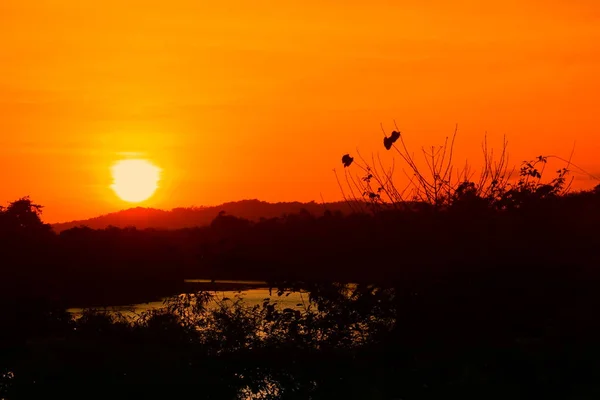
(188, 217)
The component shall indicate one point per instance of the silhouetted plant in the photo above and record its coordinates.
(498, 301)
(440, 184)
(23, 217)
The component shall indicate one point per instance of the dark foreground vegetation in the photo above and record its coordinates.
(463, 288)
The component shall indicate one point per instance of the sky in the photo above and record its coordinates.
(260, 99)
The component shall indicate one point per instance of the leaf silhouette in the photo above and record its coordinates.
(347, 160)
(389, 141)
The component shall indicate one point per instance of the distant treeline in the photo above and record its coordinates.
(84, 266)
(467, 299)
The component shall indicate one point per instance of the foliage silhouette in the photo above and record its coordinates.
(347, 160)
(455, 287)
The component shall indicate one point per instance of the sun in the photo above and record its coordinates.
(135, 180)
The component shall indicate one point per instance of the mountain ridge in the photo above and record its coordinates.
(189, 217)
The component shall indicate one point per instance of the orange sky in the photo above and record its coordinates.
(259, 99)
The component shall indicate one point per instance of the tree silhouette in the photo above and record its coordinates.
(22, 215)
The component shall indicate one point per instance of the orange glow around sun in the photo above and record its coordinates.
(135, 180)
(260, 99)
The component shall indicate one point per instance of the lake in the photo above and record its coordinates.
(251, 292)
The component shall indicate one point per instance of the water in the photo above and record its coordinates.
(250, 296)
(254, 293)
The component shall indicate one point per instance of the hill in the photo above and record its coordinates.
(178, 218)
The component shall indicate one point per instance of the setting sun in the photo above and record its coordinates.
(135, 180)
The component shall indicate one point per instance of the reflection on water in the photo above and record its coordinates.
(250, 297)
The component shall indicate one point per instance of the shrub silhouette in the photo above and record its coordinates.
(440, 185)
(452, 287)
